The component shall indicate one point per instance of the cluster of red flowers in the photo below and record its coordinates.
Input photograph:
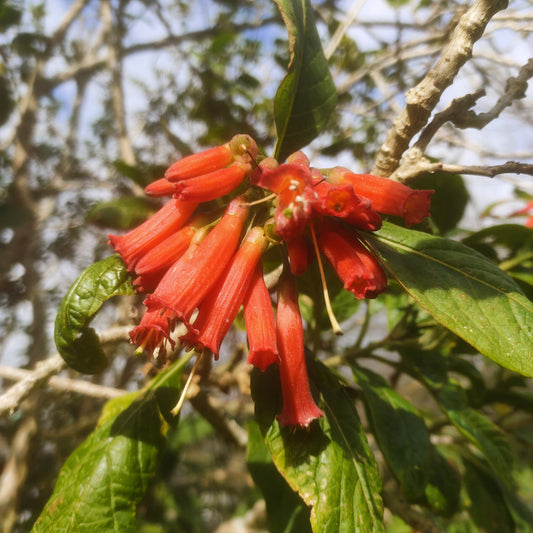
(199, 256)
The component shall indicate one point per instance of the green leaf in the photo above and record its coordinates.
(105, 478)
(443, 487)
(513, 237)
(10, 14)
(122, 213)
(307, 95)
(464, 291)
(286, 512)
(449, 201)
(330, 464)
(487, 506)
(76, 342)
(400, 432)
(473, 425)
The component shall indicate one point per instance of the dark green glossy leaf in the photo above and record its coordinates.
(76, 342)
(122, 213)
(286, 512)
(513, 237)
(487, 506)
(464, 291)
(449, 201)
(443, 487)
(330, 464)
(472, 424)
(107, 475)
(307, 96)
(400, 432)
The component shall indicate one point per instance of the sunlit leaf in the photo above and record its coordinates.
(464, 291)
(76, 342)
(105, 478)
(307, 95)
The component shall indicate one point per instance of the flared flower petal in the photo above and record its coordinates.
(341, 201)
(153, 332)
(299, 408)
(293, 184)
(190, 279)
(260, 323)
(218, 311)
(213, 185)
(140, 240)
(356, 267)
(387, 196)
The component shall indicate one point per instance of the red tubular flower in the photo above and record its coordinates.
(299, 408)
(387, 196)
(160, 187)
(153, 265)
(202, 163)
(189, 280)
(260, 324)
(210, 186)
(241, 148)
(293, 184)
(218, 311)
(526, 210)
(356, 267)
(153, 332)
(342, 202)
(299, 255)
(140, 240)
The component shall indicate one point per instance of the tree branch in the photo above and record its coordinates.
(422, 99)
(46, 369)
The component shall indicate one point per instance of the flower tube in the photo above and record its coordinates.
(260, 323)
(299, 408)
(189, 280)
(140, 240)
(386, 195)
(356, 267)
(151, 268)
(218, 311)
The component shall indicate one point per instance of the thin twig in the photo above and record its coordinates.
(46, 369)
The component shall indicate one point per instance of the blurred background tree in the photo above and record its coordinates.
(99, 97)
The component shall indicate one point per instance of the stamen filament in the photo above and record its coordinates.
(176, 409)
(262, 200)
(333, 320)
